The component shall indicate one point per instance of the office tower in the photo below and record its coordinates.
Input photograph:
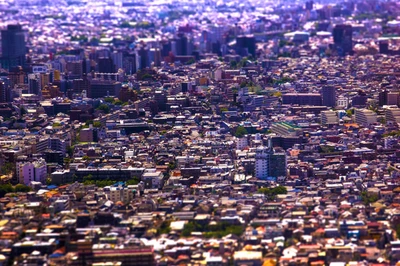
(263, 155)
(79, 86)
(75, 68)
(186, 86)
(86, 66)
(277, 164)
(34, 84)
(165, 48)
(160, 96)
(246, 45)
(5, 90)
(155, 56)
(384, 47)
(129, 63)
(16, 76)
(309, 5)
(269, 163)
(117, 60)
(329, 96)
(383, 97)
(343, 39)
(181, 44)
(106, 65)
(143, 58)
(13, 47)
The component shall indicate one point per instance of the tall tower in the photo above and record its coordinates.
(343, 39)
(263, 155)
(329, 96)
(13, 46)
(270, 163)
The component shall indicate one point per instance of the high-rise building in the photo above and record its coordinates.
(143, 58)
(269, 163)
(16, 76)
(343, 39)
(246, 45)
(13, 47)
(106, 65)
(5, 90)
(384, 46)
(329, 96)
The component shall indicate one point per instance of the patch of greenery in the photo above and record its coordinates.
(7, 168)
(394, 133)
(8, 188)
(240, 132)
(218, 230)
(367, 199)
(165, 228)
(272, 192)
(134, 181)
(104, 107)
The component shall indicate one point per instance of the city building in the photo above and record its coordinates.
(365, 117)
(343, 39)
(329, 96)
(13, 47)
(329, 118)
(28, 172)
(302, 99)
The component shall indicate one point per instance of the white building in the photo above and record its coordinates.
(392, 114)
(262, 162)
(342, 102)
(32, 171)
(241, 143)
(123, 194)
(329, 118)
(152, 179)
(365, 117)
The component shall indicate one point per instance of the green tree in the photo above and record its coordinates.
(5, 188)
(117, 102)
(104, 107)
(367, 198)
(240, 132)
(86, 158)
(7, 168)
(96, 124)
(171, 165)
(109, 99)
(88, 177)
(350, 112)
(134, 181)
(22, 188)
(272, 192)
